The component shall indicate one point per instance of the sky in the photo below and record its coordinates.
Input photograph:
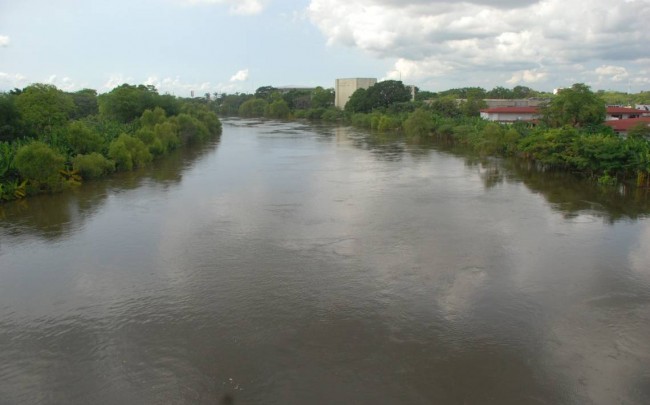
(209, 46)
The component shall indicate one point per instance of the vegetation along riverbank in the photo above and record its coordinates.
(51, 140)
(569, 135)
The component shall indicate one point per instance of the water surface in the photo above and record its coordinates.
(295, 264)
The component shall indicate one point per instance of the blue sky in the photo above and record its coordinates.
(229, 45)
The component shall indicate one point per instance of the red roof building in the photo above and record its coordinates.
(624, 125)
(622, 113)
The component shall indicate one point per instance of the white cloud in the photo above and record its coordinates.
(444, 37)
(64, 83)
(4, 40)
(615, 73)
(116, 80)
(527, 76)
(10, 81)
(240, 7)
(240, 76)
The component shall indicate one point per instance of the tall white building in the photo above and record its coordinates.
(345, 87)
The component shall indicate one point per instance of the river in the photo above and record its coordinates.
(294, 264)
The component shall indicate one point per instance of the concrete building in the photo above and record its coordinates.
(518, 102)
(345, 87)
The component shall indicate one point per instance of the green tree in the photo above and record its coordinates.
(127, 102)
(85, 103)
(322, 98)
(150, 118)
(266, 93)
(577, 106)
(278, 109)
(9, 117)
(388, 92)
(44, 107)
(472, 106)
(419, 123)
(445, 107)
(83, 139)
(359, 102)
(639, 131)
(253, 108)
(129, 152)
(93, 165)
(40, 164)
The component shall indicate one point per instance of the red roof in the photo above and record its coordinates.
(511, 110)
(624, 110)
(626, 124)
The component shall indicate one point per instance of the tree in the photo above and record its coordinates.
(83, 139)
(253, 108)
(359, 102)
(127, 102)
(445, 107)
(639, 131)
(9, 117)
(44, 107)
(129, 152)
(385, 93)
(419, 122)
(265, 93)
(39, 164)
(500, 92)
(380, 95)
(577, 106)
(85, 103)
(322, 98)
(278, 109)
(472, 106)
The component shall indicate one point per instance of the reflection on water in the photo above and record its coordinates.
(319, 264)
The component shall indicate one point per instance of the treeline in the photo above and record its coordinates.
(275, 103)
(51, 140)
(570, 135)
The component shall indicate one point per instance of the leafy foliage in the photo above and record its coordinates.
(577, 106)
(93, 165)
(43, 107)
(253, 108)
(40, 164)
(129, 152)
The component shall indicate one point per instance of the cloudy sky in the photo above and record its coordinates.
(239, 45)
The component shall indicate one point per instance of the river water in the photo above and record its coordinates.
(295, 264)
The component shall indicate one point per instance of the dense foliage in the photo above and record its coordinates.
(51, 140)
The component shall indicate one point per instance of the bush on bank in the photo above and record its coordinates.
(132, 126)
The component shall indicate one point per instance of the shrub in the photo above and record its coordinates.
(253, 108)
(129, 152)
(93, 166)
(40, 164)
(278, 109)
(419, 122)
(82, 139)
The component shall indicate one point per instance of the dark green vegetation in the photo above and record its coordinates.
(51, 140)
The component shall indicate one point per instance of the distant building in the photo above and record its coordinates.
(344, 89)
(623, 113)
(622, 126)
(516, 102)
(513, 114)
(510, 114)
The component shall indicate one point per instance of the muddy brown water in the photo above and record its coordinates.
(296, 264)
